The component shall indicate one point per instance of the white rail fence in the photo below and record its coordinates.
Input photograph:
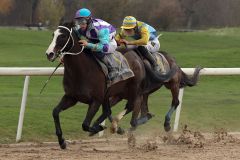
(45, 71)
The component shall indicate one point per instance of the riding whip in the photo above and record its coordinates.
(159, 35)
(50, 77)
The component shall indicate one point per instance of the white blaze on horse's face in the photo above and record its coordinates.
(52, 51)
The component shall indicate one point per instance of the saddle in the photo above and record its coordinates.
(162, 62)
(160, 59)
(121, 65)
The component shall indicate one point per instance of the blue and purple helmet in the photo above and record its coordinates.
(82, 13)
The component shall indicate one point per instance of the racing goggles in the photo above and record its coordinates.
(80, 21)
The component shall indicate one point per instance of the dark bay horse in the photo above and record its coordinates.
(152, 83)
(84, 81)
(179, 80)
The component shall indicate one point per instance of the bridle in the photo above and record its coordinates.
(61, 52)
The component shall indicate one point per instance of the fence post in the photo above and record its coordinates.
(22, 110)
(178, 111)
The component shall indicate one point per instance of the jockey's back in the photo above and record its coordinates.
(141, 26)
(99, 29)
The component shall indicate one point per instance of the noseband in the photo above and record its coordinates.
(62, 52)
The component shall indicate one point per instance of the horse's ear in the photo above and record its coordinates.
(72, 23)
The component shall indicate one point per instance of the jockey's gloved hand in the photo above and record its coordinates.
(83, 42)
(61, 60)
(118, 43)
(124, 41)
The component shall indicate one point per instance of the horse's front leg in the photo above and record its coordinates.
(105, 113)
(64, 104)
(92, 110)
(175, 103)
(145, 114)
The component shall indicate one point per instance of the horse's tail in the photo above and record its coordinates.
(190, 81)
(160, 78)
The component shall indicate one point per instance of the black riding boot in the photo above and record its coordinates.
(112, 71)
(149, 57)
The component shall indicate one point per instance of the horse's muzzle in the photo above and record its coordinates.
(50, 56)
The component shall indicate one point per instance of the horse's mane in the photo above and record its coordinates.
(67, 24)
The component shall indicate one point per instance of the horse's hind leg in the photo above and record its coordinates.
(136, 103)
(175, 102)
(64, 104)
(128, 108)
(145, 114)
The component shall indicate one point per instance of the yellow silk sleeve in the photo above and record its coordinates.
(120, 36)
(144, 37)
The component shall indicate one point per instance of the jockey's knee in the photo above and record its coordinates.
(99, 55)
(141, 48)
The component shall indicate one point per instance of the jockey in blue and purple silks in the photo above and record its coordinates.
(99, 34)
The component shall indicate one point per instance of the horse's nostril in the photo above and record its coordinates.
(50, 55)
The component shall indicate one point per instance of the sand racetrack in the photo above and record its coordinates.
(185, 146)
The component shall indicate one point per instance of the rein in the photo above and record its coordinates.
(45, 84)
(62, 53)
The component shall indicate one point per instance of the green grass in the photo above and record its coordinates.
(214, 103)
(207, 48)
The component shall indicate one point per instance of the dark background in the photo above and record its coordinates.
(162, 14)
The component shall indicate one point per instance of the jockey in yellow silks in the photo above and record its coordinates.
(145, 38)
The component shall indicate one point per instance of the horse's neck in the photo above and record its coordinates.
(75, 63)
(82, 76)
(80, 66)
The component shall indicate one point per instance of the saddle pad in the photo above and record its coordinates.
(162, 61)
(119, 62)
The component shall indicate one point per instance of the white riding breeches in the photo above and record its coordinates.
(153, 46)
(112, 44)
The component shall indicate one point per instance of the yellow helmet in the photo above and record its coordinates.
(129, 22)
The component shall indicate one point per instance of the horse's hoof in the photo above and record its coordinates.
(113, 130)
(91, 134)
(120, 131)
(95, 129)
(114, 127)
(63, 145)
(132, 129)
(92, 131)
(150, 115)
(85, 127)
(167, 128)
(133, 123)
